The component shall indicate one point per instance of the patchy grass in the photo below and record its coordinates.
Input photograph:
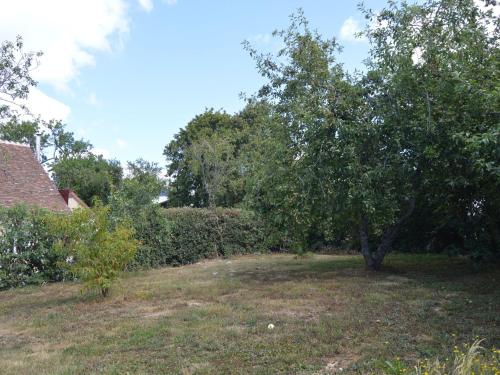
(212, 318)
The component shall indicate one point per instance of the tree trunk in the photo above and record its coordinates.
(365, 245)
(373, 260)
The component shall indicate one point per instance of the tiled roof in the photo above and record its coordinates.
(23, 179)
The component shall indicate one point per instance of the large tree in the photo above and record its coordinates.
(436, 69)
(55, 140)
(91, 177)
(358, 151)
(141, 188)
(203, 158)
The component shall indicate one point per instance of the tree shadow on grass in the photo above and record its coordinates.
(427, 270)
(29, 300)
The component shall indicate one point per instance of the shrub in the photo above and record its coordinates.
(26, 255)
(96, 251)
(177, 236)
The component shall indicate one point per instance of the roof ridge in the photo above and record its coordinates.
(14, 143)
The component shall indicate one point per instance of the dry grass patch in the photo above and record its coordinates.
(212, 318)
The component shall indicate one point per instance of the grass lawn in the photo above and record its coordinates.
(212, 318)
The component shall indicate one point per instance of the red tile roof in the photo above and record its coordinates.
(23, 179)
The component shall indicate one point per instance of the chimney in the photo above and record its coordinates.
(38, 149)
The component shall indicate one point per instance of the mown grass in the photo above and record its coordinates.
(212, 318)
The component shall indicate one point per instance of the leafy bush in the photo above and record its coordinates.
(26, 255)
(95, 250)
(177, 236)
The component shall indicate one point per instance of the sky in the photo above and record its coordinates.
(128, 74)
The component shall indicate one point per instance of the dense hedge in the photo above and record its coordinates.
(26, 248)
(173, 236)
(177, 236)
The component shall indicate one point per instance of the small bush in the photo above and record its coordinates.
(95, 250)
(26, 255)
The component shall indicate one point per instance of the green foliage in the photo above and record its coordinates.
(89, 176)
(137, 191)
(55, 141)
(61, 143)
(351, 156)
(153, 231)
(21, 131)
(178, 236)
(206, 160)
(437, 67)
(136, 200)
(95, 250)
(15, 73)
(26, 255)
(197, 234)
(324, 164)
(213, 160)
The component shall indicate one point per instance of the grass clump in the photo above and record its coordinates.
(471, 360)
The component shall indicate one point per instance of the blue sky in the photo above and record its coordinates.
(128, 75)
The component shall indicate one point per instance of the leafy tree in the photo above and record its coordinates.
(437, 67)
(358, 151)
(213, 160)
(63, 142)
(14, 130)
(55, 141)
(15, 81)
(15, 77)
(89, 176)
(195, 164)
(138, 190)
(310, 173)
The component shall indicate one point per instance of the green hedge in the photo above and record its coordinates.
(177, 236)
(174, 236)
(26, 248)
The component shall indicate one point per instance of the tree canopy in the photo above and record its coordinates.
(405, 152)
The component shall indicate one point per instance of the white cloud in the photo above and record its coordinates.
(349, 30)
(101, 151)
(146, 5)
(68, 32)
(38, 104)
(121, 143)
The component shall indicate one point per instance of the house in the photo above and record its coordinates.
(72, 200)
(23, 180)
